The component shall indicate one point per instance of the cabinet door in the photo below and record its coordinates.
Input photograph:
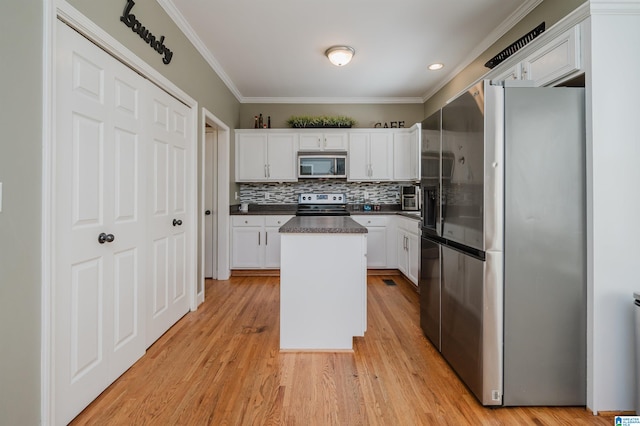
(413, 255)
(513, 73)
(247, 247)
(381, 156)
(402, 251)
(557, 59)
(272, 240)
(402, 157)
(310, 141)
(376, 247)
(334, 142)
(272, 247)
(281, 157)
(415, 142)
(358, 157)
(251, 157)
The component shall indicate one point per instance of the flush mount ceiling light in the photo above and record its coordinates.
(436, 66)
(340, 55)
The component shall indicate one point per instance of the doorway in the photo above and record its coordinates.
(214, 202)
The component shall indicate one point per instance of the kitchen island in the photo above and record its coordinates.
(323, 283)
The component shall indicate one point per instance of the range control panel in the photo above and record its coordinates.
(322, 198)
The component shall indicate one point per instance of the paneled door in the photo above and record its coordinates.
(99, 239)
(169, 228)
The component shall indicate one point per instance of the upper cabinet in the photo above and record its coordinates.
(370, 156)
(558, 58)
(329, 141)
(406, 154)
(266, 156)
(555, 60)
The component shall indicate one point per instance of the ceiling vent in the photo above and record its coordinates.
(514, 47)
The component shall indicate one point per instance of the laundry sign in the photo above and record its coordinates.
(157, 44)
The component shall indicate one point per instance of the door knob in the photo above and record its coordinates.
(105, 238)
(177, 222)
(207, 212)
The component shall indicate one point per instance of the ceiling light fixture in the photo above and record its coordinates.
(436, 66)
(340, 55)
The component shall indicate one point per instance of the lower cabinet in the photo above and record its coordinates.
(255, 241)
(376, 239)
(408, 247)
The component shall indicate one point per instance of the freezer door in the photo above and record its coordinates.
(430, 290)
(472, 321)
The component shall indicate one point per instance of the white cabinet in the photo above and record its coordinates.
(329, 141)
(408, 246)
(263, 156)
(549, 63)
(555, 60)
(406, 154)
(376, 239)
(370, 156)
(255, 241)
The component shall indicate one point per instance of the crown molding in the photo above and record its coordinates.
(292, 100)
(188, 31)
(501, 30)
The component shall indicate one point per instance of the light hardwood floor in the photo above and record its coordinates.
(221, 366)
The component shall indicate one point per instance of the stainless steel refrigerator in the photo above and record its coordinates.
(503, 261)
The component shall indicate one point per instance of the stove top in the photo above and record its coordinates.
(312, 204)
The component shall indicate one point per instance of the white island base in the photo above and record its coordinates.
(323, 290)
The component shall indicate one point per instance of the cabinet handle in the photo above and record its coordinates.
(259, 238)
(266, 238)
(268, 170)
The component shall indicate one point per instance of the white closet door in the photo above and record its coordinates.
(169, 227)
(99, 189)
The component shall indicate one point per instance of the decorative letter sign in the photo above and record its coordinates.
(136, 26)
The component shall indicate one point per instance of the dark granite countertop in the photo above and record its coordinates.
(322, 225)
(290, 209)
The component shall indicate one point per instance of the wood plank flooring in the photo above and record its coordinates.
(220, 365)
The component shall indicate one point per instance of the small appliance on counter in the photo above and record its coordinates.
(410, 197)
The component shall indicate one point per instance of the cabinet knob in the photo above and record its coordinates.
(207, 212)
(177, 222)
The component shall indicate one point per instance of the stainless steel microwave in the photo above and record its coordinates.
(322, 165)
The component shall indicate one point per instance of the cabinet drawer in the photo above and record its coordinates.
(371, 220)
(247, 220)
(276, 220)
(409, 225)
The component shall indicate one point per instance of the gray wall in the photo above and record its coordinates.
(549, 11)
(21, 166)
(20, 174)
(366, 115)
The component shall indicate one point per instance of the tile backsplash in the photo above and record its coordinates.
(287, 193)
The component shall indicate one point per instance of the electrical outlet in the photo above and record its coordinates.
(236, 195)
(267, 196)
(366, 195)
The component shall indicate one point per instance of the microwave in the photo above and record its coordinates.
(322, 165)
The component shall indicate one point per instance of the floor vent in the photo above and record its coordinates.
(389, 282)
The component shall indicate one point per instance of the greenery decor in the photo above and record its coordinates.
(301, 121)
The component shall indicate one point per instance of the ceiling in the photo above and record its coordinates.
(273, 51)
